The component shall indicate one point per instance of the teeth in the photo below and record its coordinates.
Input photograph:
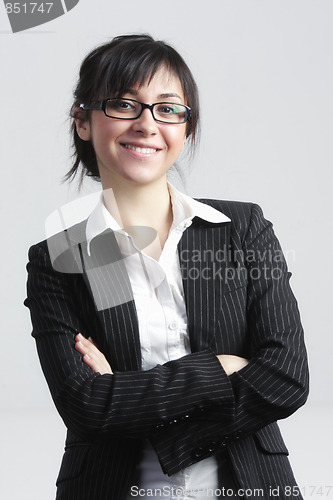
(140, 150)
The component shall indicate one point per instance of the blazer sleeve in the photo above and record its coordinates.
(275, 382)
(130, 403)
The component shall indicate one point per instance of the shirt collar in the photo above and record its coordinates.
(184, 210)
(99, 221)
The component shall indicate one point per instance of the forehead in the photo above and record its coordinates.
(163, 82)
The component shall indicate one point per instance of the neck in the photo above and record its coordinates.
(141, 205)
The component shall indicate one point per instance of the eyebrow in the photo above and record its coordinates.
(161, 96)
(170, 94)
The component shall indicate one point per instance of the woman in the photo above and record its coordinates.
(165, 326)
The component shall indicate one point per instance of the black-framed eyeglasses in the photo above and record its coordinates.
(130, 109)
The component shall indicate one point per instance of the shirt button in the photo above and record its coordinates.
(173, 325)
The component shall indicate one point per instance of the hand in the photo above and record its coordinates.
(92, 356)
(232, 364)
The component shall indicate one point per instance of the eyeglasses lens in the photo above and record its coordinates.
(170, 113)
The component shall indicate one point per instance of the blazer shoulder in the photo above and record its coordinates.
(77, 233)
(60, 244)
(233, 209)
(243, 214)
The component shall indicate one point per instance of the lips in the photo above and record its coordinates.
(143, 149)
(140, 150)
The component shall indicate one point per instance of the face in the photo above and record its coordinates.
(137, 151)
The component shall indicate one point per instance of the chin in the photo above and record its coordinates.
(139, 173)
(142, 180)
(144, 175)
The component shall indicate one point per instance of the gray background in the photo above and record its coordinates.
(264, 70)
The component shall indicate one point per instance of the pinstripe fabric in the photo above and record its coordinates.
(238, 302)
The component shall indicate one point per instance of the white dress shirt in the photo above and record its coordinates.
(159, 300)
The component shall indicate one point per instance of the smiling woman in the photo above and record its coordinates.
(119, 69)
(168, 369)
(137, 133)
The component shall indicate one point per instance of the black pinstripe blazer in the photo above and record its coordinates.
(238, 301)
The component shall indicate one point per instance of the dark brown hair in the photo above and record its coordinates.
(112, 68)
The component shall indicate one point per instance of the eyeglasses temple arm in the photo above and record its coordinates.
(94, 105)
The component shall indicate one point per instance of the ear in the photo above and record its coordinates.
(82, 124)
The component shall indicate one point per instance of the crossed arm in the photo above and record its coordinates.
(96, 360)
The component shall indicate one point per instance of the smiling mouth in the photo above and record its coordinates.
(140, 150)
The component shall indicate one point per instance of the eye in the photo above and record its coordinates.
(166, 109)
(122, 108)
(121, 105)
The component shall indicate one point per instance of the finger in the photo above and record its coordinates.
(86, 344)
(79, 337)
(97, 365)
(91, 356)
(79, 346)
(86, 341)
(91, 363)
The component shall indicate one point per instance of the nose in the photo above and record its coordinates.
(145, 124)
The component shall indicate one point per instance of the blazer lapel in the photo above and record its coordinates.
(203, 251)
(105, 275)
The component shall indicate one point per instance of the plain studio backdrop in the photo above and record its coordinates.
(265, 75)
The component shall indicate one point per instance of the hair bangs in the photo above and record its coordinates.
(131, 69)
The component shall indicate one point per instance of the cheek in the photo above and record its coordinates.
(105, 134)
(176, 138)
